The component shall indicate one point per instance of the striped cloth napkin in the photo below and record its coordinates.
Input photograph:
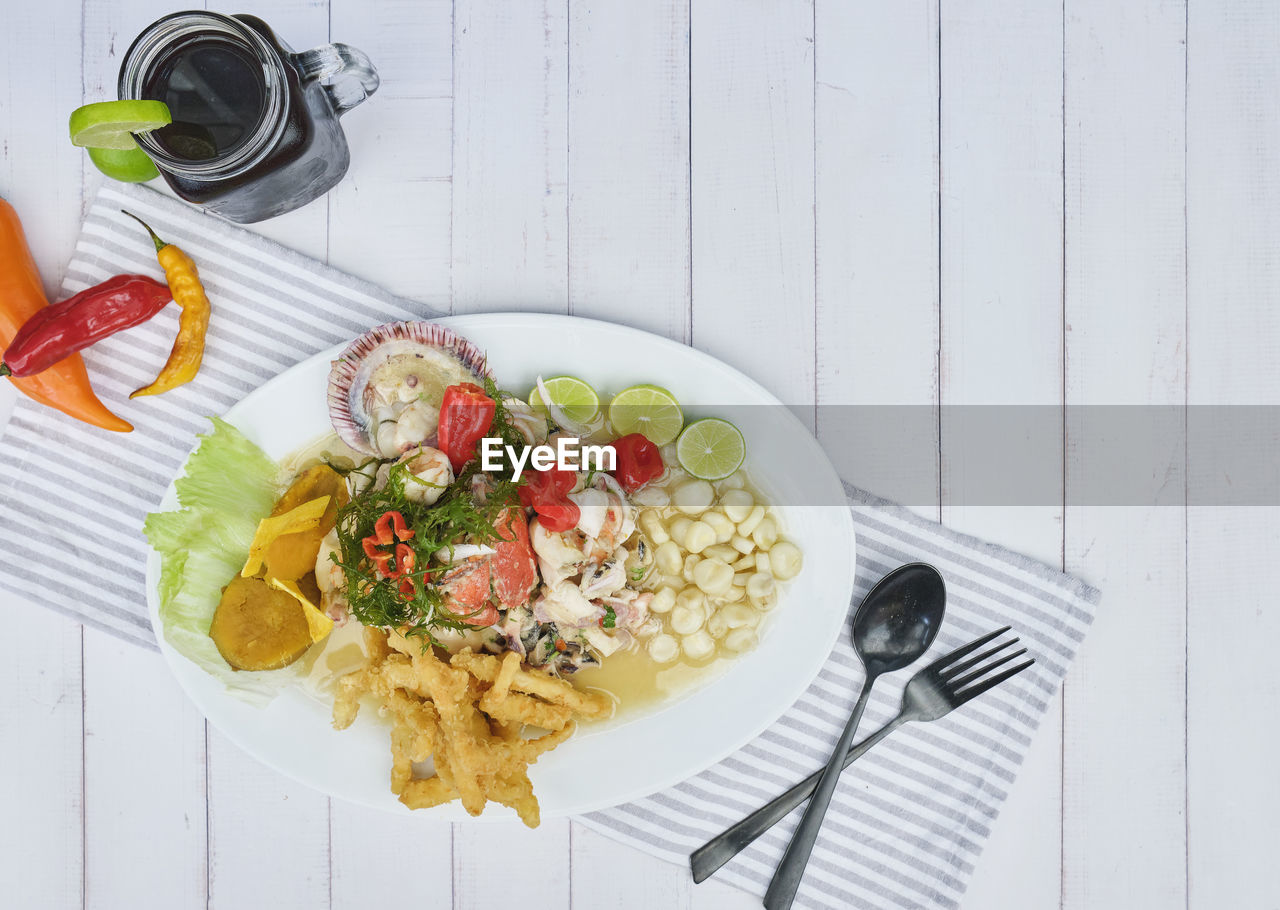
(909, 819)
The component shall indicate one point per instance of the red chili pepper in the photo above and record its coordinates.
(391, 525)
(545, 492)
(379, 558)
(638, 461)
(388, 532)
(58, 331)
(466, 413)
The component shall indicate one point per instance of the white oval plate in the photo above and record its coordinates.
(631, 758)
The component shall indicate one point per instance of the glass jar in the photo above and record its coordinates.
(255, 129)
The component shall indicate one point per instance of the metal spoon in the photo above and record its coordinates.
(895, 624)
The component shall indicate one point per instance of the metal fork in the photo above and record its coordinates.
(935, 691)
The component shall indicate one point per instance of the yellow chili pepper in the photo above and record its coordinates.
(188, 293)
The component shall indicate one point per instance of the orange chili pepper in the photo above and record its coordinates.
(65, 385)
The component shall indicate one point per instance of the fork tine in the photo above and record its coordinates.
(952, 672)
(955, 685)
(960, 652)
(979, 688)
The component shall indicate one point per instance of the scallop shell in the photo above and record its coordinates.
(445, 357)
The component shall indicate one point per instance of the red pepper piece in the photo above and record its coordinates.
(58, 331)
(380, 558)
(546, 486)
(638, 461)
(466, 413)
(391, 527)
(545, 492)
(406, 559)
(559, 516)
(387, 530)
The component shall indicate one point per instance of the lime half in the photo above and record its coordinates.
(711, 449)
(126, 165)
(110, 124)
(647, 409)
(575, 398)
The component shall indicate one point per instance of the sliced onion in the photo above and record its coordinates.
(558, 415)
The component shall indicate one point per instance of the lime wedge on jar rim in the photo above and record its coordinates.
(573, 396)
(126, 165)
(649, 410)
(711, 449)
(111, 124)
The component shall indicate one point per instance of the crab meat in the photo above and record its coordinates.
(480, 585)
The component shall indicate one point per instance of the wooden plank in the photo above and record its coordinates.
(538, 859)
(390, 219)
(41, 780)
(629, 164)
(510, 157)
(876, 220)
(1126, 344)
(606, 875)
(367, 842)
(1001, 299)
(41, 718)
(1233, 278)
(144, 754)
(268, 835)
(752, 171)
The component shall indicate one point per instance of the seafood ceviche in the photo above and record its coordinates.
(491, 587)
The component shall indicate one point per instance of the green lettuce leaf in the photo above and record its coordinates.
(229, 485)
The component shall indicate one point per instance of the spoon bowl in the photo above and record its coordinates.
(899, 618)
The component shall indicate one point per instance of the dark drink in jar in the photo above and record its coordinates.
(255, 129)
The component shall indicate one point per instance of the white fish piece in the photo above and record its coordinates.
(565, 605)
(593, 509)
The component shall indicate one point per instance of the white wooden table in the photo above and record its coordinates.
(898, 202)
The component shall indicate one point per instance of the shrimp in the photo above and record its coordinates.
(429, 473)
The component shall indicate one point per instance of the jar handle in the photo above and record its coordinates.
(351, 74)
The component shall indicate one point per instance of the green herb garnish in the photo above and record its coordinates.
(610, 618)
(457, 516)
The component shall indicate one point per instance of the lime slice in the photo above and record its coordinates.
(711, 449)
(575, 398)
(109, 124)
(647, 409)
(126, 165)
